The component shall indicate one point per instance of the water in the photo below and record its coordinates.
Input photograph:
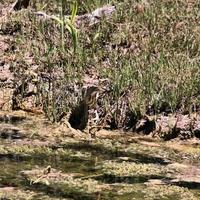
(117, 168)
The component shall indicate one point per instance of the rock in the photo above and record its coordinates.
(95, 16)
(3, 45)
(165, 127)
(86, 19)
(6, 98)
(5, 74)
(3, 78)
(183, 126)
(183, 123)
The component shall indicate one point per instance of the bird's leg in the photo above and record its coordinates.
(92, 128)
(96, 119)
(88, 130)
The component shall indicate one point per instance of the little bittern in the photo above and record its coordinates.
(18, 5)
(79, 116)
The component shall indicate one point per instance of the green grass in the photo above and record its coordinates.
(150, 49)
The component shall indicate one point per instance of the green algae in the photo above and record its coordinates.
(87, 183)
(70, 181)
(31, 149)
(13, 194)
(168, 192)
(173, 152)
(122, 168)
(154, 192)
(132, 169)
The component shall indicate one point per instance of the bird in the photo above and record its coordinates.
(79, 115)
(19, 4)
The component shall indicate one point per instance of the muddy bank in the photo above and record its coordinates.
(27, 96)
(84, 96)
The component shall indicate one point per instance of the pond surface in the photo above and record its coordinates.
(40, 160)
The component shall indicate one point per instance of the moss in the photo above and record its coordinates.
(132, 169)
(168, 192)
(31, 152)
(14, 193)
(63, 181)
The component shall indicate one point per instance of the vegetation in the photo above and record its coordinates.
(45, 163)
(129, 64)
(149, 51)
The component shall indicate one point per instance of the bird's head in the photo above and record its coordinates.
(90, 93)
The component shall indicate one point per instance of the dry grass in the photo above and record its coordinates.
(150, 48)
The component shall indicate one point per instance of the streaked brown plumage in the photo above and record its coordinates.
(79, 116)
(18, 5)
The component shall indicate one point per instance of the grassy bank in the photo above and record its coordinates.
(148, 51)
